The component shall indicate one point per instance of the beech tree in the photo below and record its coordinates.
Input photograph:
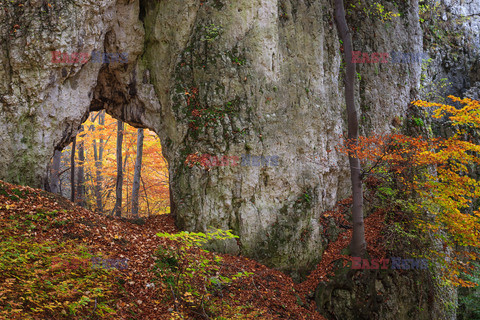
(117, 210)
(81, 171)
(55, 172)
(98, 158)
(437, 186)
(72, 170)
(358, 244)
(137, 173)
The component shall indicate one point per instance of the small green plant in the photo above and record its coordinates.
(60, 223)
(430, 89)
(212, 32)
(382, 13)
(238, 61)
(418, 122)
(306, 197)
(468, 306)
(437, 30)
(374, 10)
(191, 273)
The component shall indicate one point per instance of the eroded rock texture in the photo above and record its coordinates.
(263, 77)
(380, 294)
(452, 39)
(259, 77)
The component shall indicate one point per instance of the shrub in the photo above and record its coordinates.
(191, 273)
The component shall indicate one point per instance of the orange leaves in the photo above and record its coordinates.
(99, 141)
(437, 171)
(395, 149)
(468, 115)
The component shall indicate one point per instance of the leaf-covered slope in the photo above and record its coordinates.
(47, 244)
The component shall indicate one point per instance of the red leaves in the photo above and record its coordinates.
(269, 294)
(154, 193)
(196, 113)
(436, 170)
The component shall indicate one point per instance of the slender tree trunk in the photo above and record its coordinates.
(81, 172)
(72, 170)
(98, 155)
(127, 205)
(117, 210)
(55, 174)
(173, 207)
(358, 244)
(137, 173)
(146, 196)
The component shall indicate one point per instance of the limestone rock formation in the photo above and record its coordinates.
(258, 77)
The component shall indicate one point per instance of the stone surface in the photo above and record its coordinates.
(381, 294)
(452, 39)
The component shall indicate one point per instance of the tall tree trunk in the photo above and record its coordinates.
(358, 244)
(98, 155)
(146, 196)
(137, 173)
(127, 205)
(81, 172)
(117, 210)
(173, 207)
(55, 174)
(72, 170)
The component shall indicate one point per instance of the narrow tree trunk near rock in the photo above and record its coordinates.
(55, 174)
(137, 173)
(358, 244)
(81, 172)
(173, 208)
(72, 170)
(117, 210)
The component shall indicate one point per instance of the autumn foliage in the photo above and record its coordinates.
(435, 174)
(99, 137)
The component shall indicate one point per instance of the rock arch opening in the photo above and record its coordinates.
(88, 170)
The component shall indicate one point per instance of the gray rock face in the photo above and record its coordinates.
(452, 38)
(226, 78)
(43, 103)
(263, 79)
(381, 294)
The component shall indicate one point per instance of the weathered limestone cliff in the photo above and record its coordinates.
(259, 77)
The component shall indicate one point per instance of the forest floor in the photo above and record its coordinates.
(30, 217)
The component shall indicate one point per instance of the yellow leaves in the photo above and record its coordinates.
(188, 297)
(436, 171)
(100, 137)
(468, 115)
(11, 206)
(176, 315)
